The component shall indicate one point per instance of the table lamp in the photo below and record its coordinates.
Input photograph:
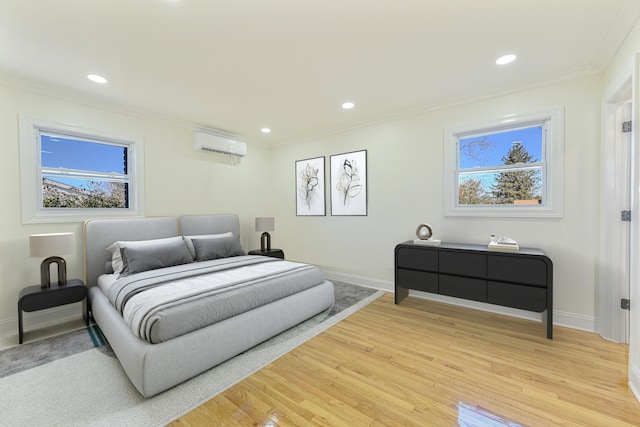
(265, 224)
(51, 246)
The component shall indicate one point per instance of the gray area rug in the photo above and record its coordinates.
(36, 353)
(74, 379)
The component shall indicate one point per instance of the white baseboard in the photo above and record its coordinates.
(634, 381)
(574, 321)
(560, 318)
(42, 318)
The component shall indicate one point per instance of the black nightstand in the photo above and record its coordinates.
(275, 253)
(35, 298)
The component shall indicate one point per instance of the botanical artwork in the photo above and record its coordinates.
(310, 187)
(349, 183)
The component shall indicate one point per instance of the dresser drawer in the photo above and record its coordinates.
(417, 259)
(418, 280)
(529, 271)
(531, 298)
(463, 264)
(463, 287)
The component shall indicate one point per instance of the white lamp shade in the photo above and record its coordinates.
(52, 244)
(265, 224)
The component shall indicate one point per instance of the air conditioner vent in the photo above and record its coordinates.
(219, 144)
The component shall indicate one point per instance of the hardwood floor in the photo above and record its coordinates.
(429, 364)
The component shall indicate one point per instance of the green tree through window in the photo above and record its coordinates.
(521, 185)
(471, 192)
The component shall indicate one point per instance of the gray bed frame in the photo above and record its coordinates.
(154, 368)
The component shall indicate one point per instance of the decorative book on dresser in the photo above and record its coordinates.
(521, 279)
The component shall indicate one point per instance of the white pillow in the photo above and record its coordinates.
(192, 250)
(116, 247)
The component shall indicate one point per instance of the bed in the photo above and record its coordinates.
(237, 301)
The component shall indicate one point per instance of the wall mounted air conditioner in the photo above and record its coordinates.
(219, 144)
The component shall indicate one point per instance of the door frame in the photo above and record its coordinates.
(615, 264)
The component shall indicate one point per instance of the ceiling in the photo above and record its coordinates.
(241, 65)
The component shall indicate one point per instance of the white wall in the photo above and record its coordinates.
(405, 179)
(179, 180)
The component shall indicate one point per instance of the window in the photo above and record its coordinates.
(79, 173)
(71, 174)
(508, 167)
(502, 167)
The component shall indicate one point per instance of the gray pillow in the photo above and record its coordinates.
(108, 267)
(189, 240)
(137, 259)
(116, 249)
(221, 247)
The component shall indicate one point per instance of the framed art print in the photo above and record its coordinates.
(349, 183)
(310, 199)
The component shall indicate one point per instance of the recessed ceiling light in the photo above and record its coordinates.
(265, 130)
(348, 105)
(97, 79)
(505, 59)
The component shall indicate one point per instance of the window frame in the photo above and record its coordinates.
(31, 172)
(552, 166)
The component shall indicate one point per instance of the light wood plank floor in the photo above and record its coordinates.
(429, 364)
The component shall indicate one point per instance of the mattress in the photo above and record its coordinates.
(162, 304)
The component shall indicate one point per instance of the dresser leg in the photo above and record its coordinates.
(400, 294)
(547, 321)
(20, 331)
(85, 311)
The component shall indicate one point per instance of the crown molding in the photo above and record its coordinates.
(627, 18)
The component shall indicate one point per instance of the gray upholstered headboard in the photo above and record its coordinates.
(102, 232)
(193, 225)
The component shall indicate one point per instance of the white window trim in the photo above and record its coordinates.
(553, 180)
(31, 184)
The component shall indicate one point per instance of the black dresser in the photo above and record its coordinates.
(521, 279)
